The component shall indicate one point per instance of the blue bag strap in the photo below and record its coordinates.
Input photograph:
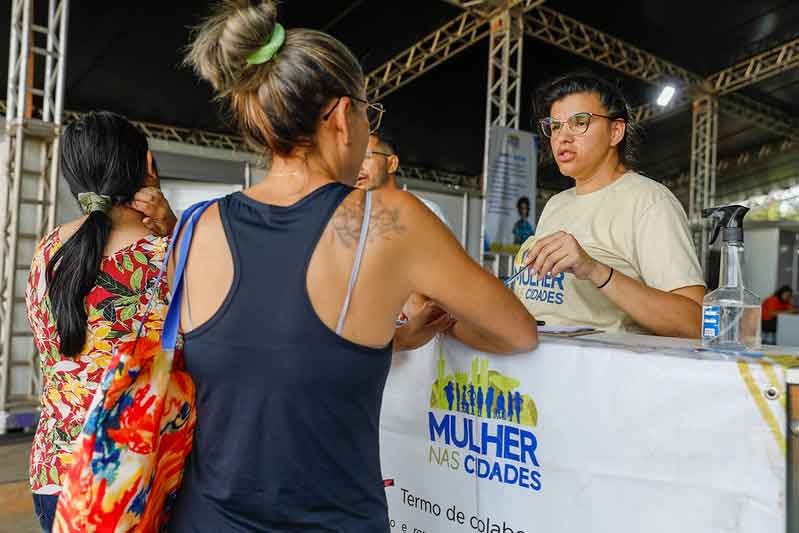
(188, 220)
(172, 321)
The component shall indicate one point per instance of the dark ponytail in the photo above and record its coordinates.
(101, 153)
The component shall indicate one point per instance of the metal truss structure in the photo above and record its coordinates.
(450, 39)
(505, 50)
(163, 132)
(569, 34)
(573, 36)
(707, 94)
(756, 68)
(503, 99)
(29, 182)
(450, 180)
(763, 155)
(704, 145)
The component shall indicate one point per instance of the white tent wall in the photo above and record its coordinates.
(452, 203)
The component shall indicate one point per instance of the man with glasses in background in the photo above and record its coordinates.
(421, 318)
(379, 169)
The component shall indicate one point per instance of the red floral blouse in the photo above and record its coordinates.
(115, 308)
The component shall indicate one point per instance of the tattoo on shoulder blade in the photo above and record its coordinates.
(384, 222)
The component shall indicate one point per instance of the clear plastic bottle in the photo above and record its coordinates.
(731, 313)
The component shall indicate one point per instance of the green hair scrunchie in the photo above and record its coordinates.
(91, 202)
(268, 51)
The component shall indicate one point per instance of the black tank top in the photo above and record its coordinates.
(287, 410)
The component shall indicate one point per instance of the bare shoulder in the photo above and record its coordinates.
(209, 235)
(68, 229)
(209, 232)
(392, 214)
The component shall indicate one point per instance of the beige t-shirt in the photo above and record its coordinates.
(634, 225)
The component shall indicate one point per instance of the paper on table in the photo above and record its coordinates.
(567, 331)
(564, 329)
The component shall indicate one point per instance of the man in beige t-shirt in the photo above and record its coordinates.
(635, 226)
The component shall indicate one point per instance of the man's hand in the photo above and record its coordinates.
(158, 216)
(425, 320)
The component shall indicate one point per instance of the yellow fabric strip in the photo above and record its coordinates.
(768, 369)
(762, 406)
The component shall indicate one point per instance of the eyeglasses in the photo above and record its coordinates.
(374, 112)
(578, 123)
(370, 153)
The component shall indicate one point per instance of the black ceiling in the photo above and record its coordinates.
(126, 56)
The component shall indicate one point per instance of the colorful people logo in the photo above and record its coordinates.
(485, 393)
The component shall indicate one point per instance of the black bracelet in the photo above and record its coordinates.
(607, 280)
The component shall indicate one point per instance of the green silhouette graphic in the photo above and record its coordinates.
(521, 408)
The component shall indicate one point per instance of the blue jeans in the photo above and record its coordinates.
(44, 506)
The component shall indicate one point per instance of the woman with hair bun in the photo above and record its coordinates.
(294, 286)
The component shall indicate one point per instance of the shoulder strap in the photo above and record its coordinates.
(188, 220)
(172, 320)
(356, 267)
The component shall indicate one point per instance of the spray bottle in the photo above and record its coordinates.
(731, 313)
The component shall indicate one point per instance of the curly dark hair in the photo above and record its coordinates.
(610, 95)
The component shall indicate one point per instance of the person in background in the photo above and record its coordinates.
(379, 169)
(289, 347)
(522, 229)
(779, 302)
(421, 318)
(613, 252)
(88, 283)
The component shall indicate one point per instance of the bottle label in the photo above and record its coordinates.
(711, 316)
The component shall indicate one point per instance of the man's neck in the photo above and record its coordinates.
(391, 183)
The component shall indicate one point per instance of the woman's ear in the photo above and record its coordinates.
(151, 178)
(343, 117)
(617, 131)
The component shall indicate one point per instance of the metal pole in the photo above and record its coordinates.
(16, 132)
(492, 44)
(505, 47)
(18, 398)
(13, 60)
(465, 222)
(62, 16)
(792, 459)
(11, 109)
(518, 37)
(704, 143)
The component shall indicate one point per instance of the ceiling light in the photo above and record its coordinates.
(666, 95)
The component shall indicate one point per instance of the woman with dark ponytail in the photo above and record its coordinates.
(88, 283)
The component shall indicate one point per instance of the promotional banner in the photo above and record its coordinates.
(510, 189)
(578, 437)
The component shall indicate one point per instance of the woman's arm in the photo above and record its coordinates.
(677, 313)
(489, 316)
(672, 314)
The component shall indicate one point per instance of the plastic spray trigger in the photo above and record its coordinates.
(717, 221)
(730, 218)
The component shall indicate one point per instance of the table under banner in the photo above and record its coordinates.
(621, 434)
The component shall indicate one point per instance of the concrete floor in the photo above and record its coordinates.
(16, 504)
